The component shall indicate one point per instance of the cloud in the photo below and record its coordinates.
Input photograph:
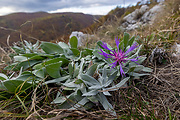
(6, 10)
(96, 10)
(9, 6)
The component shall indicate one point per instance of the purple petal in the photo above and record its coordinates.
(134, 60)
(114, 64)
(121, 53)
(117, 42)
(104, 54)
(121, 70)
(114, 53)
(104, 45)
(134, 46)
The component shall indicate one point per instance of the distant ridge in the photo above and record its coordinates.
(42, 25)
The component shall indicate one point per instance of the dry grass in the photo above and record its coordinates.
(4, 59)
(166, 26)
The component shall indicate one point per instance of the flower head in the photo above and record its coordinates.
(119, 57)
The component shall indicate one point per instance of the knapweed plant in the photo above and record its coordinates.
(84, 77)
(120, 56)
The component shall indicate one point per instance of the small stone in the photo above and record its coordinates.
(157, 55)
(82, 38)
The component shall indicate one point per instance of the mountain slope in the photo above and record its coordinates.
(42, 26)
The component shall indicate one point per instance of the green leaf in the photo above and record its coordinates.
(81, 65)
(64, 61)
(29, 54)
(11, 66)
(53, 69)
(80, 104)
(90, 93)
(38, 66)
(95, 53)
(25, 64)
(3, 76)
(29, 45)
(111, 78)
(51, 48)
(104, 73)
(71, 69)
(2, 87)
(137, 74)
(41, 57)
(131, 41)
(68, 101)
(92, 70)
(107, 106)
(104, 78)
(136, 54)
(89, 80)
(26, 72)
(126, 39)
(75, 51)
(99, 43)
(117, 86)
(60, 99)
(36, 45)
(17, 49)
(63, 45)
(57, 80)
(16, 85)
(20, 58)
(113, 75)
(141, 59)
(106, 93)
(93, 99)
(146, 69)
(73, 42)
(27, 77)
(135, 67)
(121, 45)
(96, 87)
(55, 60)
(76, 72)
(39, 73)
(37, 57)
(69, 88)
(78, 81)
(65, 102)
(71, 85)
(87, 52)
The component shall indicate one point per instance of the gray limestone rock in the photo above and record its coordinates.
(141, 17)
(82, 38)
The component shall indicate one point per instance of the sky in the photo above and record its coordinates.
(94, 7)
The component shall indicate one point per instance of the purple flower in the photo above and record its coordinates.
(119, 56)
